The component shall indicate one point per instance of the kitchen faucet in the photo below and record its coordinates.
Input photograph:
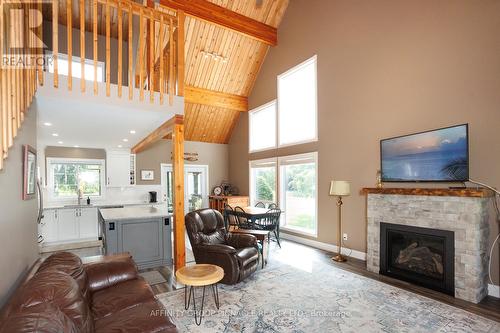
(80, 196)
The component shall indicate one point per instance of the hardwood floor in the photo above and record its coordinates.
(488, 308)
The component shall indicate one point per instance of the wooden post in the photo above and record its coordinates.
(178, 168)
(69, 29)
(55, 39)
(180, 52)
(82, 45)
(94, 28)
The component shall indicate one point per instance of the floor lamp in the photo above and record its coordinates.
(339, 188)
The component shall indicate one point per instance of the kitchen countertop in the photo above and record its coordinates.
(100, 204)
(132, 213)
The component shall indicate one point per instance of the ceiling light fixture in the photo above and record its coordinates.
(60, 142)
(55, 134)
(125, 140)
(47, 124)
(132, 132)
(119, 146)
(214, 56)
(76, 146)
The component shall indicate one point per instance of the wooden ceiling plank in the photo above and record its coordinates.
(209, 12)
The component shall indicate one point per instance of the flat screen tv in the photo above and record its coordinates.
(440, 155)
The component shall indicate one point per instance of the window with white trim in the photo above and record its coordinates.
(262, 127)
(297, 104)
(76, 67)
(263, 181)
(298, 190)
(67, 176)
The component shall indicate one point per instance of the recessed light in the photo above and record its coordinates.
(60, 142)
(76, 146)
(119, 146)
(132, 132)
(47, 124)
(55, 134)
(125, 140)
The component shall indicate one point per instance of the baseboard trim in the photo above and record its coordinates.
(494, 290)
(324, 246)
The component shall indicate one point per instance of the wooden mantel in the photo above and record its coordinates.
(439, 192)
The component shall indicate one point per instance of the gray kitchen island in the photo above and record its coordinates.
(145, 232)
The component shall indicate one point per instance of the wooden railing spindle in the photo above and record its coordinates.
(82, 44)
(130, 78)
(94, 29)
(55, 40)
(120, 45)
(108, 50)
(69, 29)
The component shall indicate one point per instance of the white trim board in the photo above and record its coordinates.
(324, 246)
(493, 290)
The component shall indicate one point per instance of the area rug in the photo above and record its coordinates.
(309, 295)
(153, 277)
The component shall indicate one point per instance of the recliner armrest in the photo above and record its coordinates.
(240, 241)
(105, 274)
(217, 248)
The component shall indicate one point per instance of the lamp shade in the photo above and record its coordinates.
(340, 187)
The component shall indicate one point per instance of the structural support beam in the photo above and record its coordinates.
(209, 12)
(214, 98)
(178, 168)
(161, 132)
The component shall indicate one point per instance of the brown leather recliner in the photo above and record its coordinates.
(236, 253)
(107, 295)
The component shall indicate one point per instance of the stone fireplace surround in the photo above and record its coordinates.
(465, 212)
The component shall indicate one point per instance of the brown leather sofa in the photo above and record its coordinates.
(236, 253)
(107, 295)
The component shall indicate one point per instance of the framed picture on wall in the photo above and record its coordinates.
(147, 175)
(29, 172)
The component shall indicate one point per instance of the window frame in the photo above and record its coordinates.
(100, 66)
(314, 60)
(50, 176)
(255, 110)
(262, 162)
(298, 157)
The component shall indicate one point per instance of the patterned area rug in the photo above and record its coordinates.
(313, 296)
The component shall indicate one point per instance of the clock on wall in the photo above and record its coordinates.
(217, 190)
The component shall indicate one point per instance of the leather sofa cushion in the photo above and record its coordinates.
(42, 318)
(120, 297)
(143, 318)
(59, 290)
(68, 263)
(107, 274)
(247, 255)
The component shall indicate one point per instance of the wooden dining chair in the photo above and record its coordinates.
(230, 220)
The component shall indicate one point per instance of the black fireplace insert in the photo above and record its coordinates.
(422, 256)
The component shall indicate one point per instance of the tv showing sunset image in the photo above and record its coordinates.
(433, 156)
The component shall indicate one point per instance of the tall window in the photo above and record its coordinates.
(297, 104)
(263, 181)
(262, 122)
(76, 67)
(66, 177)
(298, 192)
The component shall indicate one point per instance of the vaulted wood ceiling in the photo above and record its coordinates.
(243, 56)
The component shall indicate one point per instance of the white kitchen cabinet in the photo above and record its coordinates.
(48, 226)
(118, 168)
(67, 224)
(87, 222)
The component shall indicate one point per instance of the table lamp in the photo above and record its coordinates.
(339, 188)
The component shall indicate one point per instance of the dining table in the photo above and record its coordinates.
(252, 214)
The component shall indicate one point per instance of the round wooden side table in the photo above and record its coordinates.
(199, 275)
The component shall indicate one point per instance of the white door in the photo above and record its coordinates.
(88, 223)
(67, 224)
(195, 186)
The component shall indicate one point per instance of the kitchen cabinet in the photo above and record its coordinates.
(120, 168)
(69, 224)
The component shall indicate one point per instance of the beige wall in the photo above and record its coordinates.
(211, 154)
(18, 228)
(69, 152)
(385, 68)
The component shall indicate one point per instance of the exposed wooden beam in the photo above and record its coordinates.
(212, 13)
(214, 98)
(158, 134)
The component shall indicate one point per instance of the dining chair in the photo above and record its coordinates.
(230, 220)
(272, 223)
(260, 205)
(272, 206)
(243, 222)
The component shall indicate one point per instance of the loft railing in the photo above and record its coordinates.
(158, 69)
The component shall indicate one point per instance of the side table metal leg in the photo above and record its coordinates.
(201, 310)
(215, 290)
(187, 300)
